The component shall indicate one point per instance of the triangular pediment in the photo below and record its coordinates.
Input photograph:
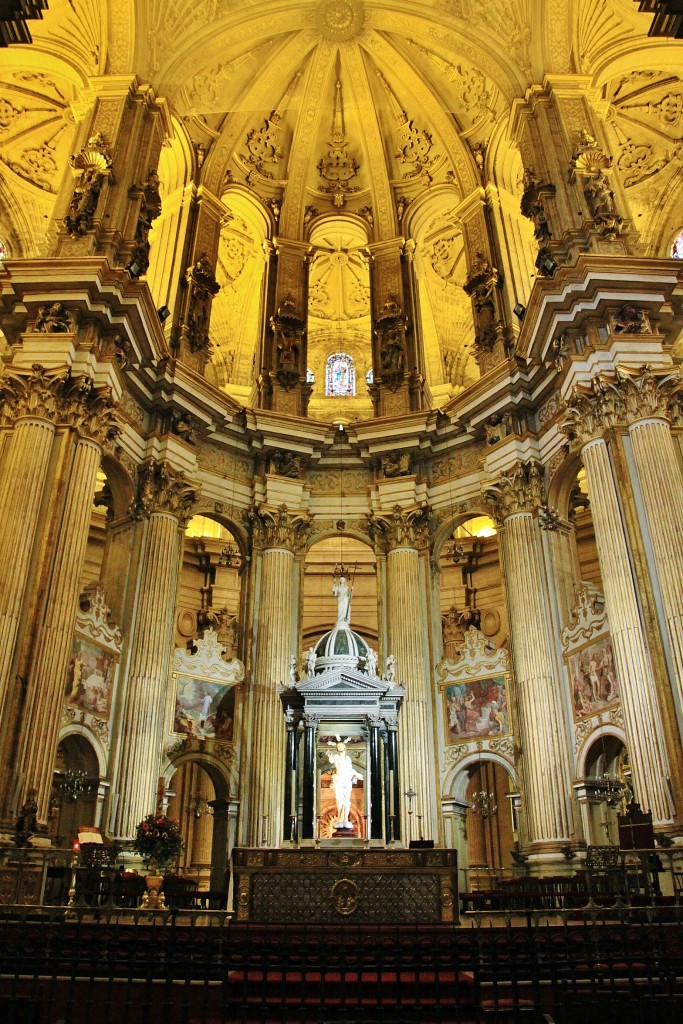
(345, 680)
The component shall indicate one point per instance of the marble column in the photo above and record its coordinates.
(514, 500)
(32, 401)
(91, 412)
(309, 778)
(165, 500)
(375, 780)
(403, 535)
(590, 412)
(278, 535)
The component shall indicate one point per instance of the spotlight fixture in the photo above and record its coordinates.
(519, 310)
(549, 266)
(133, 269)
(163, 313)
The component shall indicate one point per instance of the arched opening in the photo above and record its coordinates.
(75, 790)
(607, 777)
(319, 603)
(471, 586)
(210, 584)
(490, 824)
(198, 799)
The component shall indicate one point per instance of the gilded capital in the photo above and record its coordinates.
(401, 529)
(90, 410)
(35, 392)
(647, 394)
(520, 490)
(279, 528)
(162, 489)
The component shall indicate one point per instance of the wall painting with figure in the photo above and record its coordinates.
(593, 678)
(90, 677)
(204, 709)
(476, 708)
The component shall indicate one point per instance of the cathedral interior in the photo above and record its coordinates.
(384, 295)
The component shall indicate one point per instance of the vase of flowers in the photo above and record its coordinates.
(158, 842)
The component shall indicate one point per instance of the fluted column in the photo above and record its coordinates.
(164, 501)
(403, 535)
(590, 412)
(546, 772)
(278, 535)
(648, 399)
(32, 401)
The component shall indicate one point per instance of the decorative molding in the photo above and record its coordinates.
(475, 657)
(94, 619)
(55, 319)
(206, 660)
(588, 618)
(92, 165)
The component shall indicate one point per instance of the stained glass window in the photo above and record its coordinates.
(677, 247)
(340, 375)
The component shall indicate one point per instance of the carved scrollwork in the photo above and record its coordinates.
(90, 410)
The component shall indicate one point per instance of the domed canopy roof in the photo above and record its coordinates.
(340, 646)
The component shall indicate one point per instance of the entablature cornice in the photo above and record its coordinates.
(595, 287)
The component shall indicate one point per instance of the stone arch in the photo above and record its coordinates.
(456, 776)
(223, 776)
(231, 524)
(450, 523)
(562, 482)
(597, 735)
(120, 483)
(77, 729)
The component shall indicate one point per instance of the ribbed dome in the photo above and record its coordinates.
(340, 646)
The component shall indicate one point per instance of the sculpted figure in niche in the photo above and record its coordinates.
(391, 350)
(309, 658)
(343, 778)
(79, 219)
(203, 287)
(396, 464)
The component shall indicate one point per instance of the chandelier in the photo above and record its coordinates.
(72, 784)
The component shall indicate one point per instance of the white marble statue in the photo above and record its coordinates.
(390, 669)
(292, 670)
(371, 663)
(309, 658)
(342, 592)
(343, 778)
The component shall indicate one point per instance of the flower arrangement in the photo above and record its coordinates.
(158, 840)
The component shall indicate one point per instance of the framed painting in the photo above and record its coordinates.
(593, 678)
(476, 708)
(204, 708)
(90, 677)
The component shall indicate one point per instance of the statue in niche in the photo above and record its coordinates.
(390, 669)
(600, 198)
(203, 286)
(288, 327)
(479, 286)
(629, 320)
(79, 219)
(343, 593)
(27, 821)
(343, 778)
(532, 205)
(54, 319)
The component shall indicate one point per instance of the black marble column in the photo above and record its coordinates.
(289, 822)
(375, 782)
(393, 786)
(308, 813)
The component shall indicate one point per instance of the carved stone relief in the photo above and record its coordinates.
(203, 286)
(91, 165)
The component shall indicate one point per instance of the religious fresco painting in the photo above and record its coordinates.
(90, 677)
(593, 678)
(476, 708)
(204, 709)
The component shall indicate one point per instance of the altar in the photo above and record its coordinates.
(346, 885)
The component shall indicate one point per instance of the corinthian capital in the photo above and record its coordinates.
(162, 489)
(520, 490)
(34, 392)
(90, 410)
(279, 529)
(402, 529)
(618, 399)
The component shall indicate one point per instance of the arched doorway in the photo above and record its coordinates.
(607, 781)
(75, 790)
(198, 799)
(490, 823)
